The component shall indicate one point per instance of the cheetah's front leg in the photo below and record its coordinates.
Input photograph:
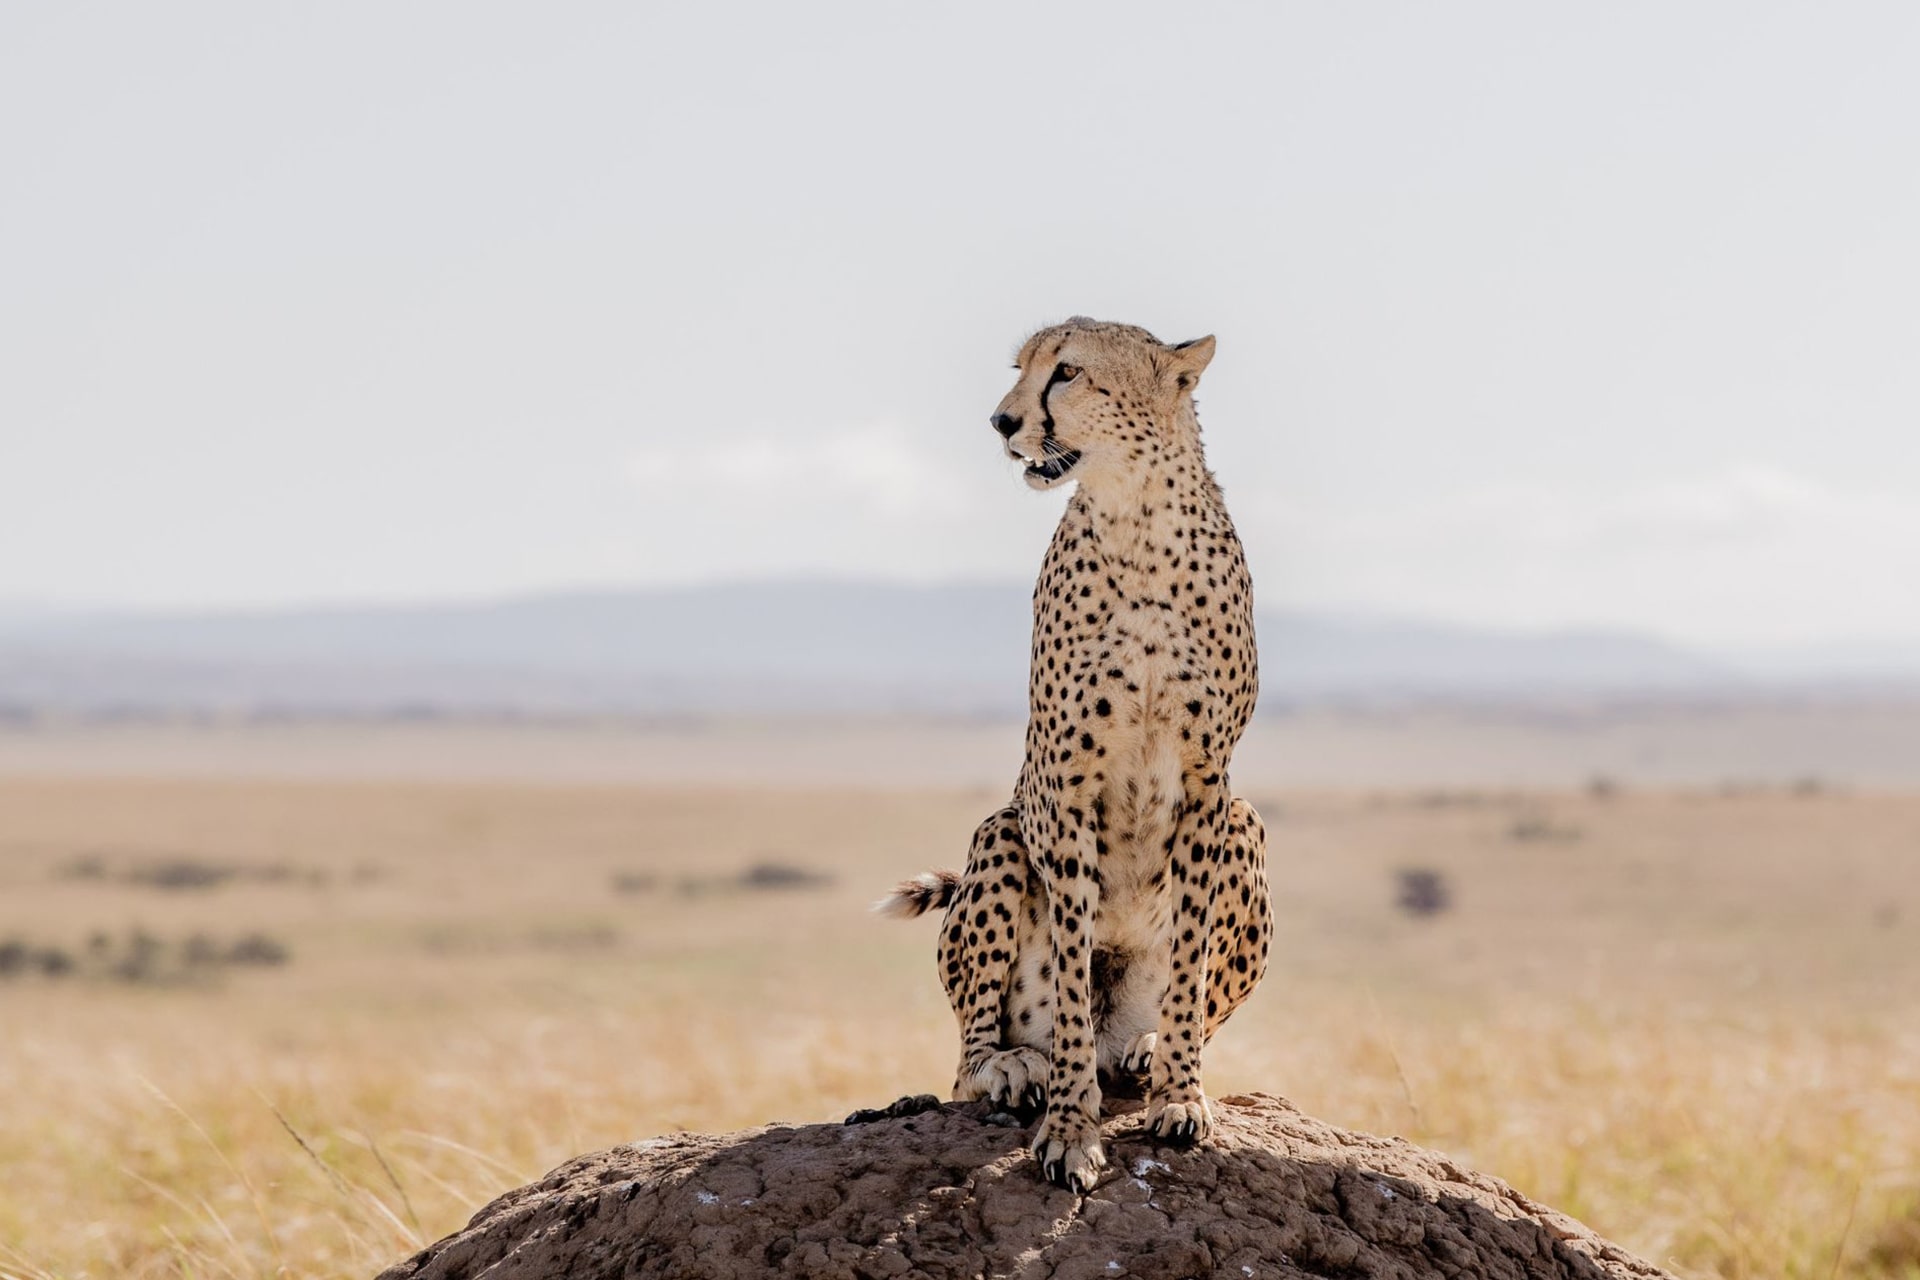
(1067, 1139)
(1178, 1109)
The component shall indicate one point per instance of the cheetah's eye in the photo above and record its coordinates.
(1067, 372)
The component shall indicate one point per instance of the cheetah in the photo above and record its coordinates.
(1115, 912)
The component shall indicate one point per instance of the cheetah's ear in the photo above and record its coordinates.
(1188, 360)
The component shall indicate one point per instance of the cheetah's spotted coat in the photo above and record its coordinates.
(1115, 912)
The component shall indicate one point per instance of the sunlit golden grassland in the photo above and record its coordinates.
(1691, 1019)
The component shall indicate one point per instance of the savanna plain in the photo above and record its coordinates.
(262, 1023)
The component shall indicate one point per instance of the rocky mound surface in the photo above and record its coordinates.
(943, 1193)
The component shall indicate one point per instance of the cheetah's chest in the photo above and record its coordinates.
(1147, 737)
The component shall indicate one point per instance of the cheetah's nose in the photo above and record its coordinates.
(1006, 424)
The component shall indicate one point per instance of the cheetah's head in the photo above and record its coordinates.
(1095, 401)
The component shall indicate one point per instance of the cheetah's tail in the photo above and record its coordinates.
(925, 892)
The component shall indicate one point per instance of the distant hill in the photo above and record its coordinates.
(777, 647)
(1860, 662)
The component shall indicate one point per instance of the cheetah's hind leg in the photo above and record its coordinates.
(1242, 924)
(990, 910)
(989, 919)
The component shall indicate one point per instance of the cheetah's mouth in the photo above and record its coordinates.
(1051, 467)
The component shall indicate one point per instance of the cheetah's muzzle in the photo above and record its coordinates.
(1055, 467)
(1053, 464)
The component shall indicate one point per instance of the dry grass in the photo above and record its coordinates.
(1688, 1019)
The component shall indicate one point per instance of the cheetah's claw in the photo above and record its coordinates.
(1184, 1123)
(1138, 1059)
(1071, 1168)
(1010, 1079)
(1073, 1164)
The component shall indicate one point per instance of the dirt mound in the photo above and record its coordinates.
(944, 1194)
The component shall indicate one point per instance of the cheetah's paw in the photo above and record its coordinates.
(1138, 1059)
(1011, 1079)
(1182, 1122)
(1069, 1152)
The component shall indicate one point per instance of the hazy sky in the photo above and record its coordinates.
(1528, 313)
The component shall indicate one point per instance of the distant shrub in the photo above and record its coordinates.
(259, 950)
(589, 937)
(185, 873)
(1422, 892)
(140, 958)
(179, 873)
(781, 875)
(19, 959)
(1540, 828)
(635, 882)
(762, 877)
